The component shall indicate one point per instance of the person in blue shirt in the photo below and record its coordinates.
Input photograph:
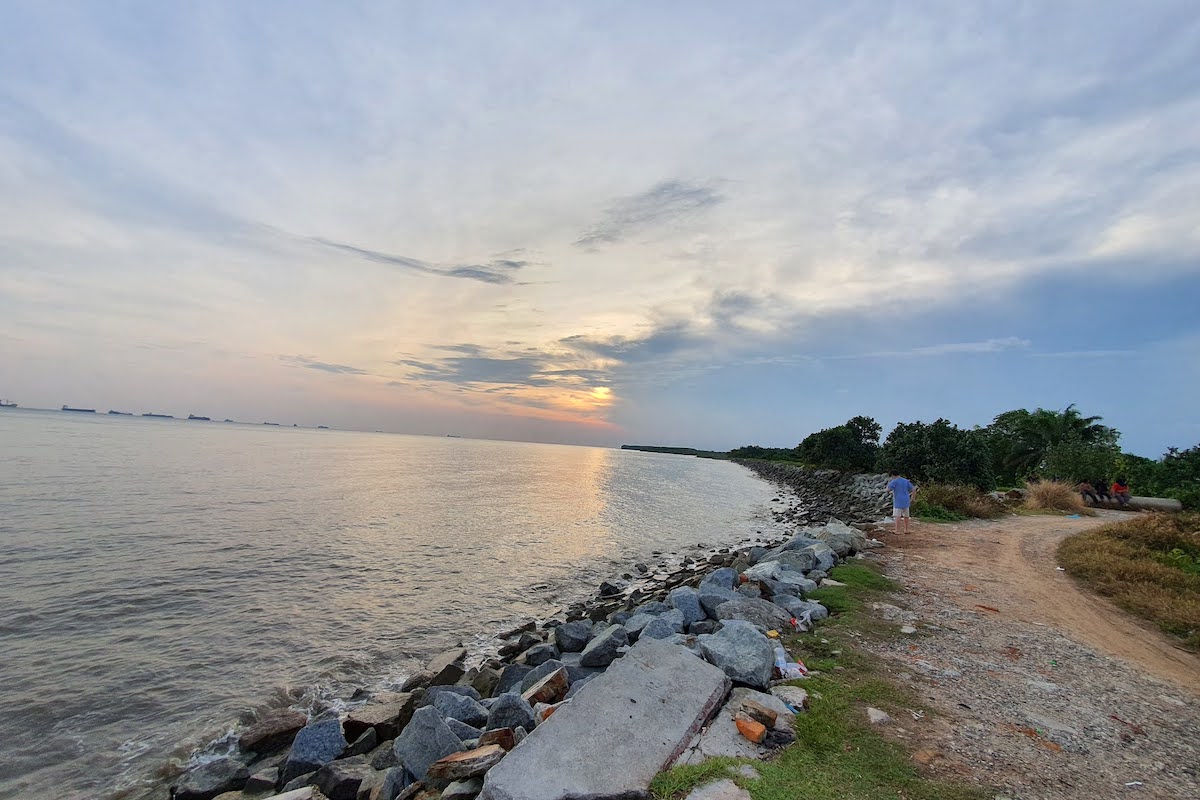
(903, 490)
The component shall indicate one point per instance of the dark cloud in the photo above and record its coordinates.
(666, 204)
(500, 369)
(497, 272)
(667, 340)
(309, 363)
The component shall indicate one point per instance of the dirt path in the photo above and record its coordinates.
(1042, 689)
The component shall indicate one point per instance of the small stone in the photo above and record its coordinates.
(827, 582)
(794, 696)
(760, 713)
(724, 789)
(505, 737)
(877, 717)
(511, 711)
(907, 629)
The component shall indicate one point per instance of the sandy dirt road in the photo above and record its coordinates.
(1040, 690)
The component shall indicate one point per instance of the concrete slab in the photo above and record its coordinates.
(617, 733)
(720, 790)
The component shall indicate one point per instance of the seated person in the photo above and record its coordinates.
(1120, 491)
(1100, 487)
(1088, 493)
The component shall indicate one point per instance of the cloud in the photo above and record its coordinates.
(953, 348)
(667, 204)
(309, 363)
(498, 271)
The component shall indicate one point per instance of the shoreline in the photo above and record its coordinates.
(802, 496)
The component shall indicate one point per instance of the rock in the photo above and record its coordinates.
(463, 790)
(843, 539)
(315, 746)
(447, 668)
(461, 708)
(538, 654)
(751, 729)
(485, 681)
(703, 626)
(769, 707)
(549, 689)
(609, 589)
(907, 629)
(511, 678)
(418, 681)
(537, 673)
(395, 781)
(633, 626)
(642, 568)
(723, 578)
(713, 596)
(741, 652)
(831, 582)
(387, 718)
(511, 711)
(577, 685)
(760, 613)
(798, 560)
(460, 766)
(300, 781)
(525, 627)
(824, 555)
(877, 717)
(209, 780)
(505, 737)
(362, 745)
(793, 696)
(274, 731)
(341, 780)
(611, 740)
(653, 608)
(573, 636)
(262, 781)
(760, 713)
(687, 601)
(724, 789)
(751, 590)
(426, 739)
(662, 628)
(462, 730)
(601, 651)
(384, 756)
(799, 609)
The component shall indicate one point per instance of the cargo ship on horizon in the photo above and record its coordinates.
(80, 410)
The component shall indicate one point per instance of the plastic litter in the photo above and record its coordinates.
(788, 669)
(1074, 516)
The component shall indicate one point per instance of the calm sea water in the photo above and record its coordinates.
(160, 579)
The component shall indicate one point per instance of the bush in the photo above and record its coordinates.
(961, 499)
(851, 447)
(939, 452)
(1055, 496)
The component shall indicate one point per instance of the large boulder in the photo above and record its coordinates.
(387, 715)
(424, 740)
(511, 711)
(713, 596)
(601, 651)
(665, 626)
(611, 740)
(572, 637)
(448, 667)
(209, 780)
(461, 708)
(843, 539)
(824, 555)
(741, 652)
(633, 626)
(274, 731)
(760, 613)
(315, 746)
(510, 678)
(800, 541)
(341, 780)
(687, 601)
(549, 689)
(799, 560)
(723, 578)
(539, 672)
(539, 654)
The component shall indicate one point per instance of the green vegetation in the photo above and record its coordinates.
(852, 447)
(837, 754)
(938, 452)
(1148, 565)
(679, 451)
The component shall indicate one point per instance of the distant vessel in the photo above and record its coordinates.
(229, 420)
(200, 419)
(322, 427)
(80, 410)
(453, 436)
(275, 424)
(7, 404)
(121, 413)
(159, 416)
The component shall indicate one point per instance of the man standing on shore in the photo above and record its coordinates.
(903, 491)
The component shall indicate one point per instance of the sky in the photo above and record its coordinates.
(680, 223)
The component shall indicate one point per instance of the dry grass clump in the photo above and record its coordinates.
(1149, 566)
(1055, 496)
(963, 500)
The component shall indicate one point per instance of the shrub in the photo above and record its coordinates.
(961, 499)
(851, 447)
(1055, 496)
(939, 451)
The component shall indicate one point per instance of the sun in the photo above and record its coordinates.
(602, 393)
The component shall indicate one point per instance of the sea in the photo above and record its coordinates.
(162, 581)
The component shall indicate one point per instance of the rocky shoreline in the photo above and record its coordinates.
(590, 703)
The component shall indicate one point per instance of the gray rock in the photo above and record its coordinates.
(510, 678)
(395, 780)
(750, 590)
(341, 779)
(447, 668)
(756, 554)
(798, 560)
(384, 756)
(612, 739)
(511, 711)
(485, 681)
(388, 714)
(275, 730)
(461, 708)
(315, 746)
(539, 672)
(760, 613)
(741, 652)
(723, 578)
(665, 626)
(703, 626)
(573, 636)
(363, 744)
(616, 618)
(209, 780)
(687, 601)
(579, 684)
(724, 789)
(824, 555)
(799, 542)
(463, 790)
(299, 782)
(464, 731)
(262, 781)
(433, 691)
(653, 608)
(425, 739)
(633, 626)
(579, 673)
(841, 537)
(712, 596)
(601, 651)
(539, 654)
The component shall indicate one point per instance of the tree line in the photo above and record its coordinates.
(1017, 446)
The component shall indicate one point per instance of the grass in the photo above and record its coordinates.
(1149, 565)
(1055, 496)
(950, 502)
(837, 754)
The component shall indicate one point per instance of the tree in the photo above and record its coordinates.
(1076, 461)
(1022, 438)
(939, 452)
(851, 447)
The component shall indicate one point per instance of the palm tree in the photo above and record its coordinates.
(1032, 434)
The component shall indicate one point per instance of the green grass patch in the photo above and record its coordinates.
(1148, 565)
(837, 754)
(932, 512)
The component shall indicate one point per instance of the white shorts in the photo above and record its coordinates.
(898, 512)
